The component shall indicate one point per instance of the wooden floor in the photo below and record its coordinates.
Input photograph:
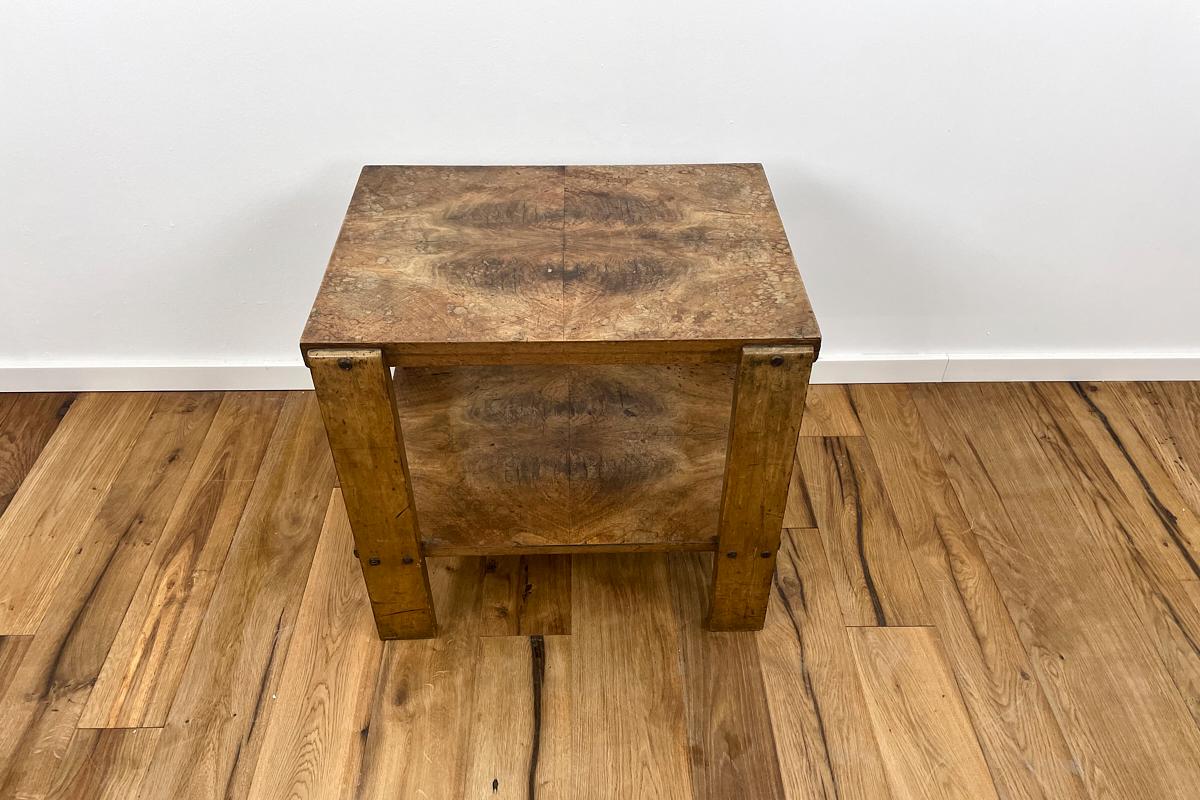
(985, 591)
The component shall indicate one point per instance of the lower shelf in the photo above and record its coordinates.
(557, 458)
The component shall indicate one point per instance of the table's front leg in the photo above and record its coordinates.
(354, 389)
(768, 403)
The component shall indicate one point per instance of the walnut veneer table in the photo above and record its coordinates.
(587, 359)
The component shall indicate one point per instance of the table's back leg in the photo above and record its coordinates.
(354, 389)
(768, 403)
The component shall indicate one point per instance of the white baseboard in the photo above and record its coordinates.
(831, 368)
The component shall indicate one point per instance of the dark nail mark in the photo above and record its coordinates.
(374, 562)
(345, 363)
(406, 560)
(776, 361)
(731, 554)
(765, 554)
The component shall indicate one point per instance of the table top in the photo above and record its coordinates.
(486, 264)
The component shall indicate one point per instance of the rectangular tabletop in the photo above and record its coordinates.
(478, 265)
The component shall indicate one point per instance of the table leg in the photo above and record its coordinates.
(768, 402)
(354, 390)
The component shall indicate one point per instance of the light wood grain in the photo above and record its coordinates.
(768, 406)
(929, 749)
(1016, 726)
(59, 498)
(798, 512)
(871, 567)
(1083, 638)
(823, 736)
(1173, 411)
(354, 388)
(511, 261)
(314, 742)
(526, 595)
(26, 424)
(143, 667)
(422, 710)
(104, 765)
(730, 741)
(830, 410)
(228, 687)
(44, 700)
(624, 646)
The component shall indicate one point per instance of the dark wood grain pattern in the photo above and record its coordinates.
(506, 459)
(441, 264)
(526, 595)
(26, 424)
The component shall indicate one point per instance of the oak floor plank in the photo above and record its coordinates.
(829, 411)
(143, 668)
(1137, 539)
(798, 512)
(422, 709)
(526, 595)
(728, 724)
(215, 728)
(59, 498)
(313, 745)
(823, 737)
(507, 722)
(1087, 646)
(26, 424)
(104, 765)
(625, 642)
(876, 582)
(12, 651)
(924, 732)
(1020, 736)
(1169, 414)
(43, 702)
(1127, 452)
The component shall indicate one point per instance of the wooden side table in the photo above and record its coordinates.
(586, 359)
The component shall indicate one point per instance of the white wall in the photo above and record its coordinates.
(993, 177)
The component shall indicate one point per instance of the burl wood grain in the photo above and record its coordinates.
(544, 458)
(482, 264)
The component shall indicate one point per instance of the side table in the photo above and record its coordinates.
(586, 359)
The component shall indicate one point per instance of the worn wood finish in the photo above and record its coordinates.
(830, 410)
(768, 405)
(929, 749)
(228, 687)
(526, 595)
(823, 735)
(506, 459)
(549, 262)
(876, 582)
(45, 698)
(104, 764)
(26, 424)
(50, 514)
(146, 661)
(1020, 736)
(359, 408)
(314, 742)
